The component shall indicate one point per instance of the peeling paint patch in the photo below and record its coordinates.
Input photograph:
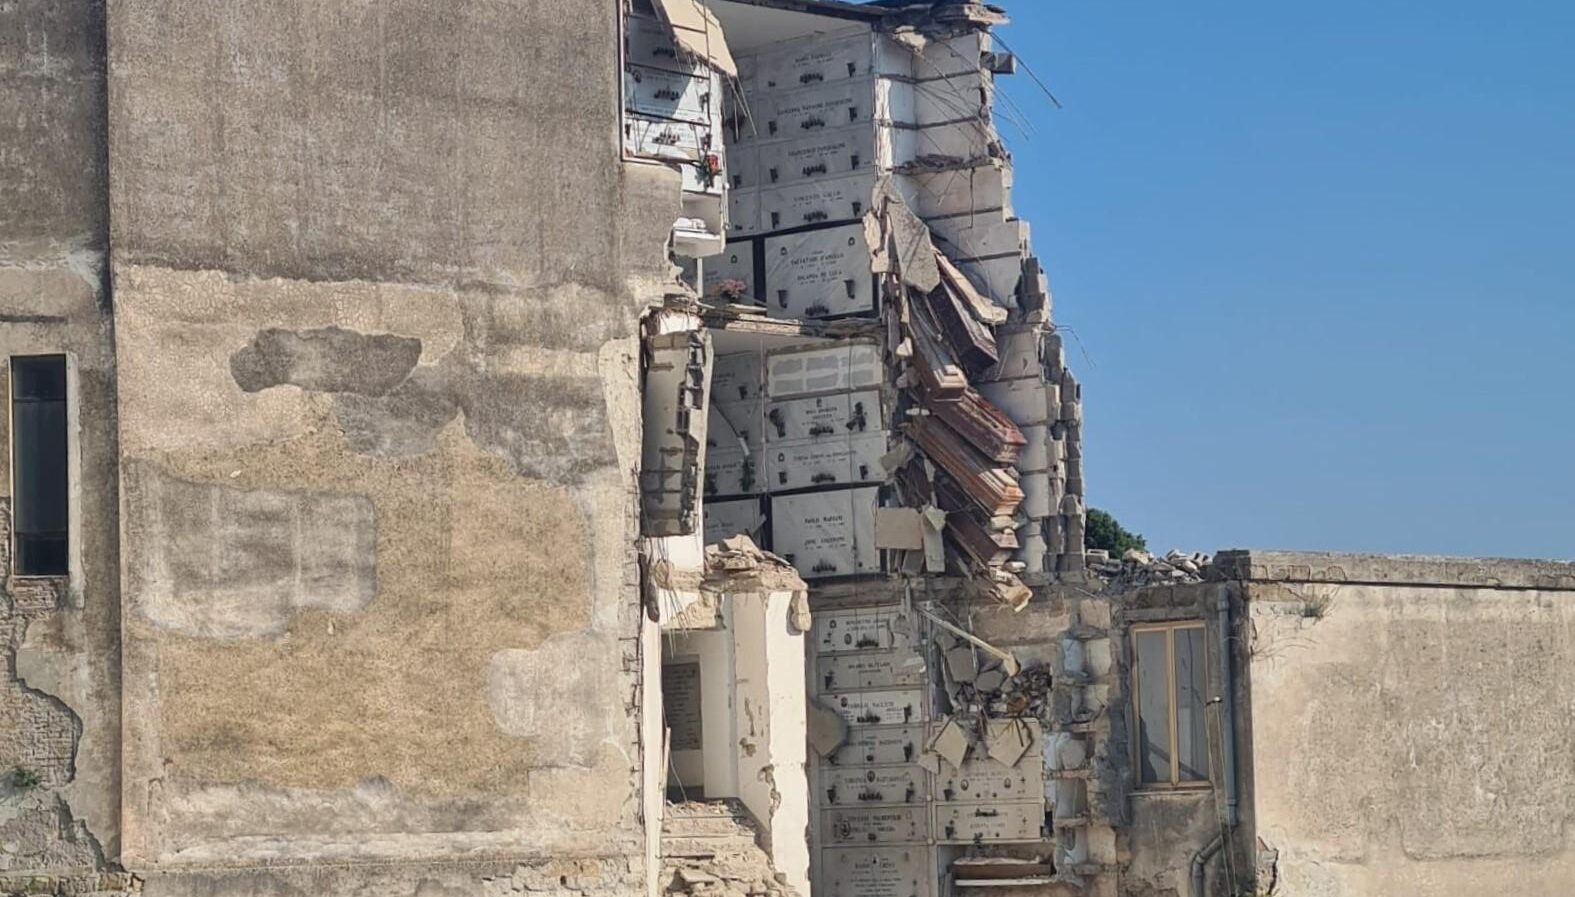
(548, 427)
(331, 359)
(224, 562)
(564, 695)
(402, 424)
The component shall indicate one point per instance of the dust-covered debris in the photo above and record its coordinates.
(1137, 569)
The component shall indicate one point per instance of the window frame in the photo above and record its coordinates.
(1174, 782)
(68, 408)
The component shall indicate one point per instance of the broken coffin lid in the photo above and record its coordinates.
(838, 415)
(673, 95)
(827, 534)
(839, 367)
(735, 264)
(819, 274)
(834, 461)
(883, 825)
(874, 872)
(984, 776)
(999, 823)
(853, 786)
(725, 519)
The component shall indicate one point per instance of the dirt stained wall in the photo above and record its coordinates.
(378, 271)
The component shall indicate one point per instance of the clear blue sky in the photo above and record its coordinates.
(1321, 257)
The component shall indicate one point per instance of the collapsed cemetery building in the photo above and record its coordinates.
(625, 447)
(865, 381)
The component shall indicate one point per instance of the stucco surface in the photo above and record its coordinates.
(59, 686)
(379, 271)
(1413, 739)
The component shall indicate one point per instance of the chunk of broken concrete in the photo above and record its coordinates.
(990, 680)
(828, 731)
(1008, 740)
(962, 664)
(950, 744)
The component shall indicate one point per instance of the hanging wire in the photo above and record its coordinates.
(1031, 73)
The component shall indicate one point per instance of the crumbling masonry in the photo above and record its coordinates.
(593, 448)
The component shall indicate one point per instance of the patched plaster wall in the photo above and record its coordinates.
(379, 270)
(1410, 726)
(59, 685)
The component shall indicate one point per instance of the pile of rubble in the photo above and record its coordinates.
(709, 850)
(1137, 569)
(987, 688)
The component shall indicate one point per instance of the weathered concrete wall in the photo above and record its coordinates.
(378, 273)
(1163, 829)
(1410, 723)
(59, 688)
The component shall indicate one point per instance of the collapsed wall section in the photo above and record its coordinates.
(890, 411)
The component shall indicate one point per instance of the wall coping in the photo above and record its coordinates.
(1256, 565)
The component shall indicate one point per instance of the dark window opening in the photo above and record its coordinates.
(38, 466)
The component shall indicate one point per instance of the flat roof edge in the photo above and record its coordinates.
(823, 7)
(1256, 565)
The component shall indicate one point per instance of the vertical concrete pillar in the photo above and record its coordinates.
(770, 718)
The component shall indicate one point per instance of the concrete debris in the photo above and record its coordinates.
(1025, 695)
(962, 665)
(1007, 658)
(900, 529)
(950, 744)
(909, 239)
(1008, 740)
(738, 565)
(709, 849)
(828, 731)
(1137, 569)
(799, 619)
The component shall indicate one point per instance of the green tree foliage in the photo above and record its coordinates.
(1105, 532)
